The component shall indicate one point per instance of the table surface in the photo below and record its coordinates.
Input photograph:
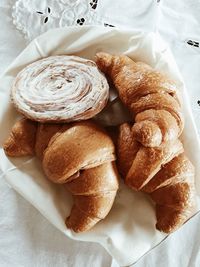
(27, 238)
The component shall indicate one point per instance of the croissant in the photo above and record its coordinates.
(60, 89)
(164, 172)
(150, 96)
(150, 156)
(80, 156)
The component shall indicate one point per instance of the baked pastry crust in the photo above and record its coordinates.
(60, 89)
(80, 156)
(152, 98)
(84, 145)
(21, 141)
(150, 156)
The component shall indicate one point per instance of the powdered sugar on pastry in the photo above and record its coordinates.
(60, 89)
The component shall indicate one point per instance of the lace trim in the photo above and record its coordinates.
(34, 17)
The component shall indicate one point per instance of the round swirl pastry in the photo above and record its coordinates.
(60, 89)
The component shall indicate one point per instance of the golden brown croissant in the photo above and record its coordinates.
(150, 155)
(149, 95)
(80, 156)
(164, 172)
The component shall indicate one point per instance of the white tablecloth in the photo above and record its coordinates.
(26, 238)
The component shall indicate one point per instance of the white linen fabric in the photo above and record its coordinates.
(35, 17)
(24, 232)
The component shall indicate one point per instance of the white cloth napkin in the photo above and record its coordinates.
(128, 232)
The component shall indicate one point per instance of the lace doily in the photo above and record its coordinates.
(34, 17)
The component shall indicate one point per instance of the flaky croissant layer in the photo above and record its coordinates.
(80, 156)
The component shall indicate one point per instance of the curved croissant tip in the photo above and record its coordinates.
(12, 148)
(79, 225)
(103, 54)
(8, 146)
(167, 229)
(103, 61)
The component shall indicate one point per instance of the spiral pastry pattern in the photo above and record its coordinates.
(60, 89)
